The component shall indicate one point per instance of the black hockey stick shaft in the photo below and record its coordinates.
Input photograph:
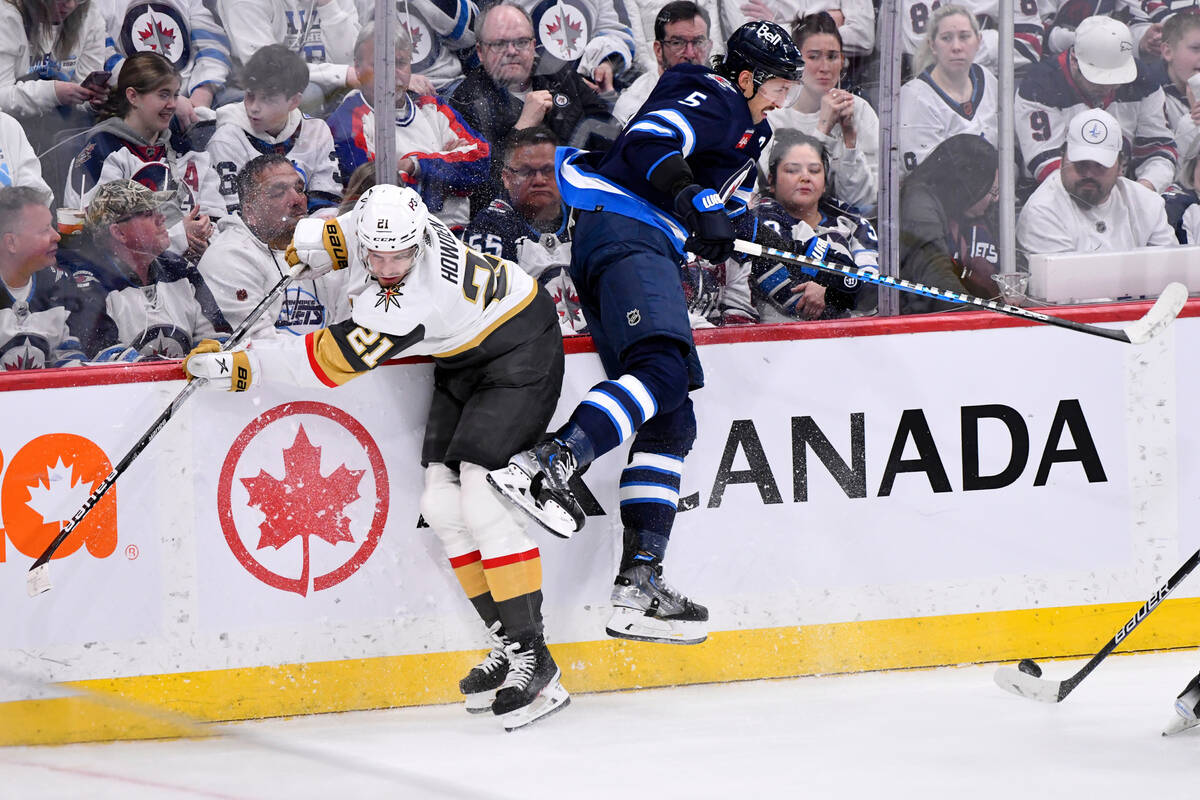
(1068, 685)
(155, 427)
(869, 275)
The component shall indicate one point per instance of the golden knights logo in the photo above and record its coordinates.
(388, 296)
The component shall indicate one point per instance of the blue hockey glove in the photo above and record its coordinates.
(704, 213)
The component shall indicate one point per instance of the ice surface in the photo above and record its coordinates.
(945, 733)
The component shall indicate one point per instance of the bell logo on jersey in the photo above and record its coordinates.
(47, 481)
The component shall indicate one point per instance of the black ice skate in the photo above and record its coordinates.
(536, 481)
(483, 680)
(531, 690)
(1187, 707)
(646, 609)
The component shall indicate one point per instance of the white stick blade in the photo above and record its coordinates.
(1019, 683)
(38, 580)
(1161, 314)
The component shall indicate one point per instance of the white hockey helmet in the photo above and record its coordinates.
(391, 219)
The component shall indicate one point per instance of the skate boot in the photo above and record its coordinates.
(1187, 706)
(536, 481)
(646, 609)
(481, 683)
(531, 690)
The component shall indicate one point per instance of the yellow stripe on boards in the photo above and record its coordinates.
(429, 678)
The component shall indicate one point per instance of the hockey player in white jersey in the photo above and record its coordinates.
(269, 120)
(493, 336)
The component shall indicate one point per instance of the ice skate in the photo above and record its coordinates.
(536, 481)
(647, 609)
(481, 683)
(1187, 707)
(532, 689)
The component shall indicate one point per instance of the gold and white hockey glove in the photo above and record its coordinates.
(233, 371)
(320, 245)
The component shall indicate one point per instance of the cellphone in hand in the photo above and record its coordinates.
(97, 80)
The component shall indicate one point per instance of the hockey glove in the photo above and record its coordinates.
(232, 370)
(704, 214)
(320, 245)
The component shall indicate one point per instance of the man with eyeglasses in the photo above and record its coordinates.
(680, 37)
(503, 94)
(668, 186)
(528, 224)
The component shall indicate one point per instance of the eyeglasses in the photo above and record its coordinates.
(525, 173)
(817, 56)
(678, 45)
(500, 45)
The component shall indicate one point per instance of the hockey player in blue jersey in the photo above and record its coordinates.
(670, 183)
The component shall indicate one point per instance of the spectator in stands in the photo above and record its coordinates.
(528, 223)
(1087, 205)
(442, 35)
(439, 154)
(680, 37)
(360, 180)
(853, 19)
(503, 94)
(246, 258)
(603, 51)
(132, 141)
(47, 49)
(844, 123)
(1183, 204)
(1099, 71)
(19, 165)
(157, 305)
(322, 31)
(1180, 61)
(916, 19)
(184, 31)
(950, 93)
(798, 208)
(941, 202)
(268, 120)
(40, 311)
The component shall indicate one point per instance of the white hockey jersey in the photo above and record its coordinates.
(324, 35)
(857, 32)
(19, 165)
(1132, 217)
(1027, 29)
(304, 140)
(439, 30)
(35, 64)
(450, 306)
(182, 30)
(928, 116)
(35, 323)
(581, 33)
(240, 269)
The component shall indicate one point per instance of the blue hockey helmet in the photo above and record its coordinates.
(763, 48)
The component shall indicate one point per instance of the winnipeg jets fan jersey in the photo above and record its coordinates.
(182, 30)
(928, 116)
(442, 33)
(38, 326)
(915, 16)
(324, 35)
(453, 305)
(692, 111)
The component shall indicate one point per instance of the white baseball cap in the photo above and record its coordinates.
(1104, 50)
(1094, 135)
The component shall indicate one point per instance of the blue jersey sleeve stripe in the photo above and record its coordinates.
(464, 13)
(679, 123)
(650, 127)
(214, 54)
(210, 35)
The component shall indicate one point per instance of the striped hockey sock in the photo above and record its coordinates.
(613, 411)
(650, 498)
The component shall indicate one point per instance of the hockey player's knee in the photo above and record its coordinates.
(660, 364)
(498, 528)
(441, 506)
(672, 433)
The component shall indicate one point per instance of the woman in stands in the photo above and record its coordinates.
(799, 208)
(47, 49)
(950, 93)
(844, 123)
(134, 140)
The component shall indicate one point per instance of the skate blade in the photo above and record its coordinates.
(480, 702)
(512, 483)
(1179, 724)
(635, 624)
(550, 700)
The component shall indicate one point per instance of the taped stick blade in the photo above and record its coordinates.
(1161, 314)
(1024, 685)
(37, 581)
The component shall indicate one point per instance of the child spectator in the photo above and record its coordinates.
(269, 120)
(1180, 61)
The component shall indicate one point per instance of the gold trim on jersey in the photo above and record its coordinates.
(327, 360)
(486, 332)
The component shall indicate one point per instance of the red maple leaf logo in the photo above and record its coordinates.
(416, 36)
(165, 36)
(304, 503)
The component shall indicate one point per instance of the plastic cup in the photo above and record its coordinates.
(70, 220)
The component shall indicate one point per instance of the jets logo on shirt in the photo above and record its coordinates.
(562, 29)
(157, 28)
(745, 140)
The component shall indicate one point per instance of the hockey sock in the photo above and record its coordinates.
(608, 414)
(469, 571)
(515, 582)
(649, 499)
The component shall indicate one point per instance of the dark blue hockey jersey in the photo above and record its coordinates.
(692, 111)
(44, 328)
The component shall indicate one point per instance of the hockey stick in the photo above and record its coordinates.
(37, 580)
(1161, 314)
(1026, 679)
